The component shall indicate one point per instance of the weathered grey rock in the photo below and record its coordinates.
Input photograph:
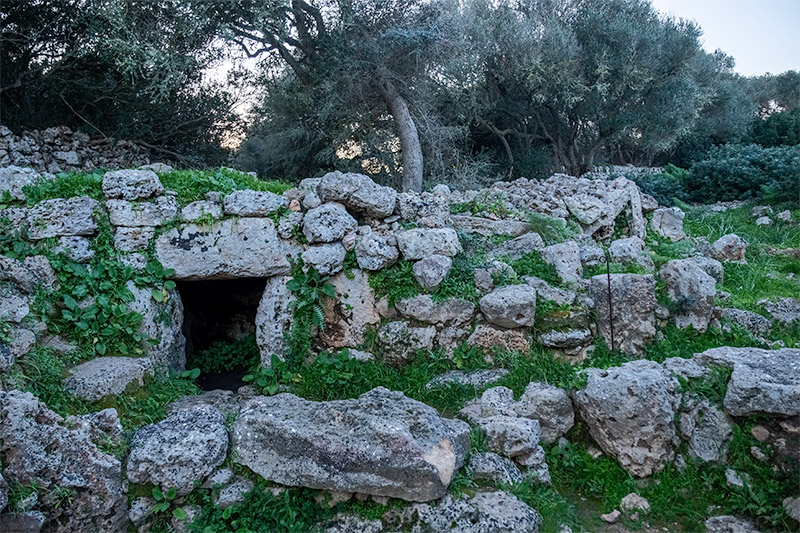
(248, 203)
(351, 312)
(40, 448)
(491, 466)
(516, 248)
(762, 382)
(7, 358)
(493, 402)
(131, 184)
(400, 341)
(381, 443)
(633, 502)
(29, 274)
(17, 217)
(486, 512)
(290, 224)
(60, 217)
(329, 222)
(633, 304)
(247, 247)
(419, 243)
(106, 376)
(157, 167)
(132, 239)
(668, 223)
(431, 271)
(201, 209)
(571, 338)
(729, 247)
(79, 249)
(512, 306)
(710, 266)
(414, 206)
(273, 318)
(488, 227)
(783, 310)
(630, 411)
(692, 292)
(546, 292)
(24, 522)
(20, 342)
(511, 436)
(13, 305)
(376, 252)
(752, 322)
(763, 221)
(630, 250)
(14, 178)
(141, 509)
(706, 429)
(311, 200)
(450, 312)
(566, 258)
(350, 523)
(162, 322)
(792, 506)
(232, 494)
(358, 193)
(475, 378)
(591, 254)
(549, 405)
(224, 401)
(488, 338)
(181, 449)
(729, 524)
(785, 216)
(327, 258)
(685, 368)
(147, 213)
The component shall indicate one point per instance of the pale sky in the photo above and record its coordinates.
(762, 35)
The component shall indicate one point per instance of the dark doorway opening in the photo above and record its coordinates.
(219, 325)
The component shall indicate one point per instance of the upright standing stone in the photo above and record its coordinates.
(632, 312)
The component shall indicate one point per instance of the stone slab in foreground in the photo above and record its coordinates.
(381, 443)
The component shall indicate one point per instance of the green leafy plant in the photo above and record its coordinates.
(268, 379)
(395, 283)
(532, 264)
(310, 288)
(165, 502)
(222, 355)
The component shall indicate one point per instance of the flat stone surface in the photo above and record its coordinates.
(243, 248)
(131, 184)
(419, 243)
(381, 443)
(60, 217)
(512, 306)
(488, 227)
(106, 376)
(249, 203)
(146, 213)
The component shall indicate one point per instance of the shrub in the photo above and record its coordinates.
(742, 172)
(666, 186)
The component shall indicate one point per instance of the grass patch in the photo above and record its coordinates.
(67, 185)
(396, 283)
(552, 230)
(459, 282)
(192, 185)
(532, 264)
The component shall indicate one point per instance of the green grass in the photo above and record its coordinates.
(396, 283)
(192, 185)
(532, 264)
(552, 230)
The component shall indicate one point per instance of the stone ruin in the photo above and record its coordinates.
(232, 257)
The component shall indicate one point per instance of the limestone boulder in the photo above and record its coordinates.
(382, 444)
(706, 429)
(489, 338)
(329, 222)
(566, 258)
(39, 447)
(131, 184)
(201, 209)
(491, 466)
(273, 318)
(376, 252)
(512, 306)
(132, 239)
(351, 312)
(692, 292)
(486, 512)
(419, 243)
(632, 311)
(183, 448)
(162, 322)
(60, 217)
(358, 193)
(248, 203)
(400, 342)
(630, 411)
(244, 248)
(327, 259)
(762, 381)
(782, 310)
(158, 212)
(752, 322)
(78, 249)
(106, 376)
(431, 271)
(488, 227)
(14, 178)
(551, 406)
(710, 266)
(630, 250)
(450, 312)
(729, 247)
(668, 223)
(516, 248)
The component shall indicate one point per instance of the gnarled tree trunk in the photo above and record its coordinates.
(407, 131)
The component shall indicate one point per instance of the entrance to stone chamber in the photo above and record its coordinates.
(219, 325)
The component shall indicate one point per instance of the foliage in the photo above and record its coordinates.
(557, 511)
(532, 264)
(67, 185)
(665, 186)
(551, 230)
(459, 282)
(778, 129)
(712, 387)
(310, 288)
(396, 282)
(740, 172)
(269, 378)
(164, 501)
(192, 185)
(222, 355)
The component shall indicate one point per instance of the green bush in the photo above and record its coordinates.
(743, 172)
(666, 186)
